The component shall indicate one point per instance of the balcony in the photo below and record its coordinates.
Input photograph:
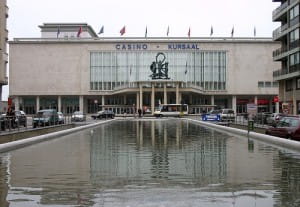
(279, 52)
(279, 10)
(279, 31)
(282, 74)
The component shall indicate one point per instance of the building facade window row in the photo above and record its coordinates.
(110, 70)
(267, 84)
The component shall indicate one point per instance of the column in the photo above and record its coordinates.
(137, 101)
(59, 103)
(102, 102)
(277, 107)
(270, 105)
(125, 99)
(37, 103)
(81, 103)
(255, 100)
(17, 103)
(212, 100)
(180, 98)
(190, 99)
(141, 97)
(177, 93)
(165, 94)
(234, 103)
(294, 103)
(152, 98)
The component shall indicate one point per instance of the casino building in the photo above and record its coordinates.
(70, 70)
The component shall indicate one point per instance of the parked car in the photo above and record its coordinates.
(15, 119)
(20, 118)
(103, 114)
(78, 116)
(261, 118)
(45, 117)
(227, 115)
(275, 118)
(287, 127)
(61, 118)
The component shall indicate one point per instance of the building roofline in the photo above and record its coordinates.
(56, 25)
(149, 39)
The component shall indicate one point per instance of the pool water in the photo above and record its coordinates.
(152, 163)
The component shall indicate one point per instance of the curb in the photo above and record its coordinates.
(279, 142)
(33, 140)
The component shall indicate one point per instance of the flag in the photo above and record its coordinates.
(189, 32)
(122, 31)
(186, 66)
(58, 32)
(168, 30)
(211, 31)
(146, 32)
(79, 31)
(232, 31)
(254, 32)
(101, 30)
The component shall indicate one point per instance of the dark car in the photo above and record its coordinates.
(103, 114)
(15, 119)
(287, 127)
(45, 117)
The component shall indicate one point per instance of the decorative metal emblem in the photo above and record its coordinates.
(159, 68)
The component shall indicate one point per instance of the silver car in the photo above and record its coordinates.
(61, 118)
(78, 116)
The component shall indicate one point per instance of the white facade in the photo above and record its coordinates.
(63, 74)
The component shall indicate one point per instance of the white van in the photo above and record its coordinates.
(171, 110)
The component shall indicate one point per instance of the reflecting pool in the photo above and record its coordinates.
(152, 163)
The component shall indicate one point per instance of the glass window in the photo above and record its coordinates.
(122, 69)
(261, 84)
(294, 12)
(298, 83)
(289, 85)
(267, 84)
(275, 84)
(294, 35)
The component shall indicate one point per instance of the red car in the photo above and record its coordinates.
(287, 127)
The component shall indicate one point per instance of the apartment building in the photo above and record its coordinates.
(288, 54)
(3, 44)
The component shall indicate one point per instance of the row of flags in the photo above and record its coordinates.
(123, 31)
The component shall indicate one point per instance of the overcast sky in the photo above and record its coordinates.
(157, 15)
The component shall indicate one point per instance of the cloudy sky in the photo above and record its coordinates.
(157, 15)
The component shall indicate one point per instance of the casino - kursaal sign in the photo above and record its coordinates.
(159, 68)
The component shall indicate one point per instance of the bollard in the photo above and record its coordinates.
(250, 125)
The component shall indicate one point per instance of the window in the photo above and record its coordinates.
(261, 84)
(267, 84)
(294, 12)
(294, 59)
(289, 85)
(275, 84)
(294, 35)
(298, 83)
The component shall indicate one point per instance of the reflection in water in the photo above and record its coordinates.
(4, 175)
(161, 162)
